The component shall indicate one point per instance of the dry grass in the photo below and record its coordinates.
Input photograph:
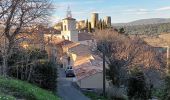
(157, 41)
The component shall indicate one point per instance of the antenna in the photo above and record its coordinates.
(69, 15)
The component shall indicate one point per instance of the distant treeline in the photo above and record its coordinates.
(150, 29)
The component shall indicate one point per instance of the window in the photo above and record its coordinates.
(64, 27)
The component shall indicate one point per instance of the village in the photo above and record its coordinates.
(84, 50)
(78, 47)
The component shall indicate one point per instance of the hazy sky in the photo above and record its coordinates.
(119, 10)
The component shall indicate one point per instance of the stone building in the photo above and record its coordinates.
(94, 19)
(69, 31)
(107, 20)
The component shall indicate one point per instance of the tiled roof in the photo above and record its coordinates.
(69, 18)
(82, 36)
(82, 59)
(80, 50)
(64, 42)
(85, 71)
(67, 44)
(88, 68)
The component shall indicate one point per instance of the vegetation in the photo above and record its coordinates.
(31, 65)
(11, 89)
(25, 15)
(167, 88)
(122, 53)
(6, 97)
(163, 93)
(151, 29)
(45, 75)
(137, 87)
(87, 23)
(89, 27)
(94, 96)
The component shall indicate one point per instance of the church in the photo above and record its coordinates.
(69, 32)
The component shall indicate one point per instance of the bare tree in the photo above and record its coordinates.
(16, 16)
(123, 52)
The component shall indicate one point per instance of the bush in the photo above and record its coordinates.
(33, 66)
(137, 88)
(166, 91)
(45, 75)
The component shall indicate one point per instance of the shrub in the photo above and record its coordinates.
(166, 91)
(45, 75)
(136, 85)
(33, 66)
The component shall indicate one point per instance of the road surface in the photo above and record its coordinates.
(66, 90)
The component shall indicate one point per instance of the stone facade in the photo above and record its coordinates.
(69, 31)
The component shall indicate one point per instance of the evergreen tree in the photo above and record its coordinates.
(95, 24)
(166, 92)
(100, 24)
(87, 23)
(122, 31)
(89, 27)
(137, 85)
(103, 25)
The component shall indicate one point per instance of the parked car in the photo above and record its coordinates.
(70, 73)
(68, 68)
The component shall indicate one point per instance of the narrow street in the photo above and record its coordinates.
(66, 90)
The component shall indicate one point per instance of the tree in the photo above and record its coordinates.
(103, 25)
(166, 90)
(95, 24)
(17, 16)
(89, 27)
(123, 52)
(87, 23)
(121, 31)
(137, 88)
(100, 24)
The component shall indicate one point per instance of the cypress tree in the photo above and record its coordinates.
(100, 24)
(87, 23)
(103, 24)
(89, 27)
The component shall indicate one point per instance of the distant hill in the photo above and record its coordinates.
(144, 22)
(152, 26)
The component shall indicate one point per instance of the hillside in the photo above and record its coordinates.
(11, 89)
(145, 22)
(150, 29)
(161, 40)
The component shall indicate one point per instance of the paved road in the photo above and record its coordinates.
(66, 90)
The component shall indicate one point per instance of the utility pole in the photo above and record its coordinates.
(4, 68)
(104, 72)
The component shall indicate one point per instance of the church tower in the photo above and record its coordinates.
(69, 31)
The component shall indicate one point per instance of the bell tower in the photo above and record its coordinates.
(69, 14)
(69, 31)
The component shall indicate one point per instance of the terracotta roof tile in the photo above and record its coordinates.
(69, 18)
(80, 50)
(84, 36)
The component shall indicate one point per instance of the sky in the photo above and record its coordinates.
(121, 11)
